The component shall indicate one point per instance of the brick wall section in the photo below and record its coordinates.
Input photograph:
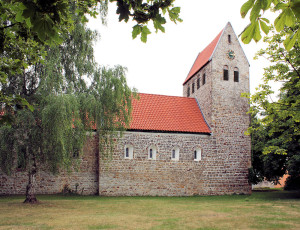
(87, 176)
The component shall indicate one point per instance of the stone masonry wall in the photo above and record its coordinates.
(164, 176)
(229, 109)
(226, 111)
(86, 177)
(203, 94)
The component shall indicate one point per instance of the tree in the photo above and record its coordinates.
(279, 120)
(289, 15)
(27, 27)
(65, 107)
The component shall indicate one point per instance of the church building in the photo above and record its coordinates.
(175, 146)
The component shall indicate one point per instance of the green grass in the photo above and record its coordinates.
(267, 209)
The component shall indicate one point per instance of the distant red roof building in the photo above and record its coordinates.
(203, 57)
(167, 114)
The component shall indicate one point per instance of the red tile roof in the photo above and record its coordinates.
(203, 58)
(167, 113)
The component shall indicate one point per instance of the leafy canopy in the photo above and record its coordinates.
(289, 15)
(28, 27)
(275, 127)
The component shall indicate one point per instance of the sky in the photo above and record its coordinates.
(161, 65)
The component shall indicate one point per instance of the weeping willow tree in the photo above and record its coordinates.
(70, 95)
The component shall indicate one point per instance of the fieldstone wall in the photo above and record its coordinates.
(85, 181)
(229, 119)
(226, 113)
(141, 176)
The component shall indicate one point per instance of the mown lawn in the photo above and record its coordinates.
(262, 210)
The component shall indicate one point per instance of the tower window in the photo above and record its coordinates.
(188, 91)
(225, 73)
(203, 79)
(229, 38)
(193, 87)
(236, 74)
(198, 83)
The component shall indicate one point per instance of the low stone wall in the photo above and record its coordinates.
(85, 181)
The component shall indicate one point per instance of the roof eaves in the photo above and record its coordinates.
(167, 131)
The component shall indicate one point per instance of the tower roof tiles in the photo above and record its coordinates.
(203, 57)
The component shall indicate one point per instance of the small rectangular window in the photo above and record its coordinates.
(236, 76)
(150, 154)
(229, 38)
(188, 92)
(225, 74)
(203, 79)
(197, 154)
(127, 152)
(193, 87)
(173, 154)
(198, 83)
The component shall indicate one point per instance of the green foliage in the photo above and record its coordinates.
(275, 127)
(289, 15)
(28, 28)
(292, 183)
(71, 96)
(144, 11)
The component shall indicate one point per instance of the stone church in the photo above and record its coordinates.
(175, 146)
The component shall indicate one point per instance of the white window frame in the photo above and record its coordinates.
(154, 151)
(176, 151)
(198, 153)
(130, 151)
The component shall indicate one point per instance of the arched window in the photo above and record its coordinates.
(236, 74)
(198, 83)
(152, 152)
(175, 154)
(188, 91)
(197, 154)
(203, 79)
(193, 87)
(225, 73)
(128, 152)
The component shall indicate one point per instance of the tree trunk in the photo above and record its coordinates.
(30, 188)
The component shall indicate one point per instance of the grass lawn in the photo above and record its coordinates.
(273, 209)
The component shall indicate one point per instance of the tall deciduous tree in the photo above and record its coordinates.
(70, 95)
(26, 27)
(279, 120)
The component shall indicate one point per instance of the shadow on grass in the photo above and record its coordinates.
(275, 194)
(258, 194)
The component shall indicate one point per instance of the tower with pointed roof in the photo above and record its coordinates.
(218, 77)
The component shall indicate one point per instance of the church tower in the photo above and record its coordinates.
(218, 77)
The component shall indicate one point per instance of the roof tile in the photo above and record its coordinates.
(167, 113)
(203, 57)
